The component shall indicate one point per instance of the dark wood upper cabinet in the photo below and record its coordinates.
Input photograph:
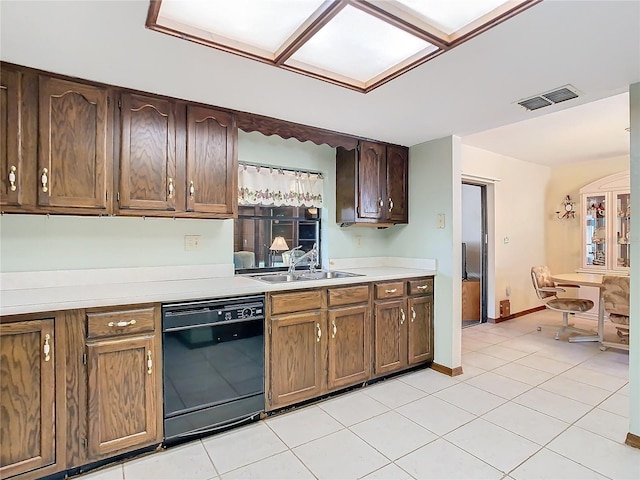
(211, 173)
(147, 179)
(27, 402)
(397, 182)
(11, 166)
(74, 148)
(372, 184)
(371, 180)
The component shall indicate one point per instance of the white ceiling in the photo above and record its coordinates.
(593, 45)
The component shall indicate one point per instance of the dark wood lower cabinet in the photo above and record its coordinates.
(349, 350)
(27, 397)
(420, 335)
(390, 336)
(122, 396)
(296, 346)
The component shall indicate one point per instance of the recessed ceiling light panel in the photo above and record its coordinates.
(357, 45)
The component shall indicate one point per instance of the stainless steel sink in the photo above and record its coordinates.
(324, 274)
(302, 276)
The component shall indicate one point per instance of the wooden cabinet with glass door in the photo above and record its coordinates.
(606, 219)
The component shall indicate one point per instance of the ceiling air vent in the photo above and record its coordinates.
(545, 99)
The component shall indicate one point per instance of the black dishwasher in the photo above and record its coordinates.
(213, 359)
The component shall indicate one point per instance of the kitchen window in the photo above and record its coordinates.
(259, 232)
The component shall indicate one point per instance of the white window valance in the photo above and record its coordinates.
(261, 185)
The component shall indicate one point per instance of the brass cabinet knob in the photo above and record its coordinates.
(12, 178)
(44, 180)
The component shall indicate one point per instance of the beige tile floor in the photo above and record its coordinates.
(526, 407)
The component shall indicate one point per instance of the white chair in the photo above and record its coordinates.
(547, 291)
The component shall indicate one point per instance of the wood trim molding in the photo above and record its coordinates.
(249, 122)
(633, 440)
(452, 372)
(516, 315)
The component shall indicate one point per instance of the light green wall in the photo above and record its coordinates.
(38, 242)
(634, 341)
(435, 186)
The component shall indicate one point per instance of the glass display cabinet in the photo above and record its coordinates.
(606, 218)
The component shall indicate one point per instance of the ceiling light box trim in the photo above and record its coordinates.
(310, 37)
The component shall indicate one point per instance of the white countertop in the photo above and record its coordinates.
(32, 296)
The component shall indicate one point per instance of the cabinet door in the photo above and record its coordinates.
(371, 180)
(74, 161)
(420, 329)
(296, 353)
(11, 166)
(147, 154)
(397, 184)
(212, 175)
(349, 354)
(390, 336)
(27, 402)
(121, 392)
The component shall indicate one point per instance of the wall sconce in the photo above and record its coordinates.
(567, 209)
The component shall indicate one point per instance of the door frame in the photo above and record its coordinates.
(484, 248)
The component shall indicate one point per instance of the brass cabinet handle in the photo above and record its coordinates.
(46, 349)
(392, 290)
(149, 363)
(413, 314)
(422, 287)
(319, 332)
(121, 323)
(12, 178)
(380, 204)
(335, 329)
(44, 179)
(192, 190)
(402, 316)
(170, 187)
(390, 204)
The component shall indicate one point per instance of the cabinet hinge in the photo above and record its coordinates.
(106, 196)
(118, 197)
(119, 103)
(85, 443)
(269, 397)
(84, 361)
(108, 101)
(269, 328)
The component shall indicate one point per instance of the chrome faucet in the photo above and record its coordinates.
(311, 254)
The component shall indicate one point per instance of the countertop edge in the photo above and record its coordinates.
(52, 299)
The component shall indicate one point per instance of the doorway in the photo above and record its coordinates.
(474, 254)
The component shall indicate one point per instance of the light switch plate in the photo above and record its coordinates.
(192, 243)
(441, 220)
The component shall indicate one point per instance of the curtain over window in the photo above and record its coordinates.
(260, 185)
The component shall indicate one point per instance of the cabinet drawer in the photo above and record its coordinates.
(120, 322)
(348, 295)
(296, 301)
(421, 287)
(389, 289)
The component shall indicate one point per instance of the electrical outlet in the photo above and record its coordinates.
(441, 220)
(506, 240)
(192, 243)
(358, 241)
